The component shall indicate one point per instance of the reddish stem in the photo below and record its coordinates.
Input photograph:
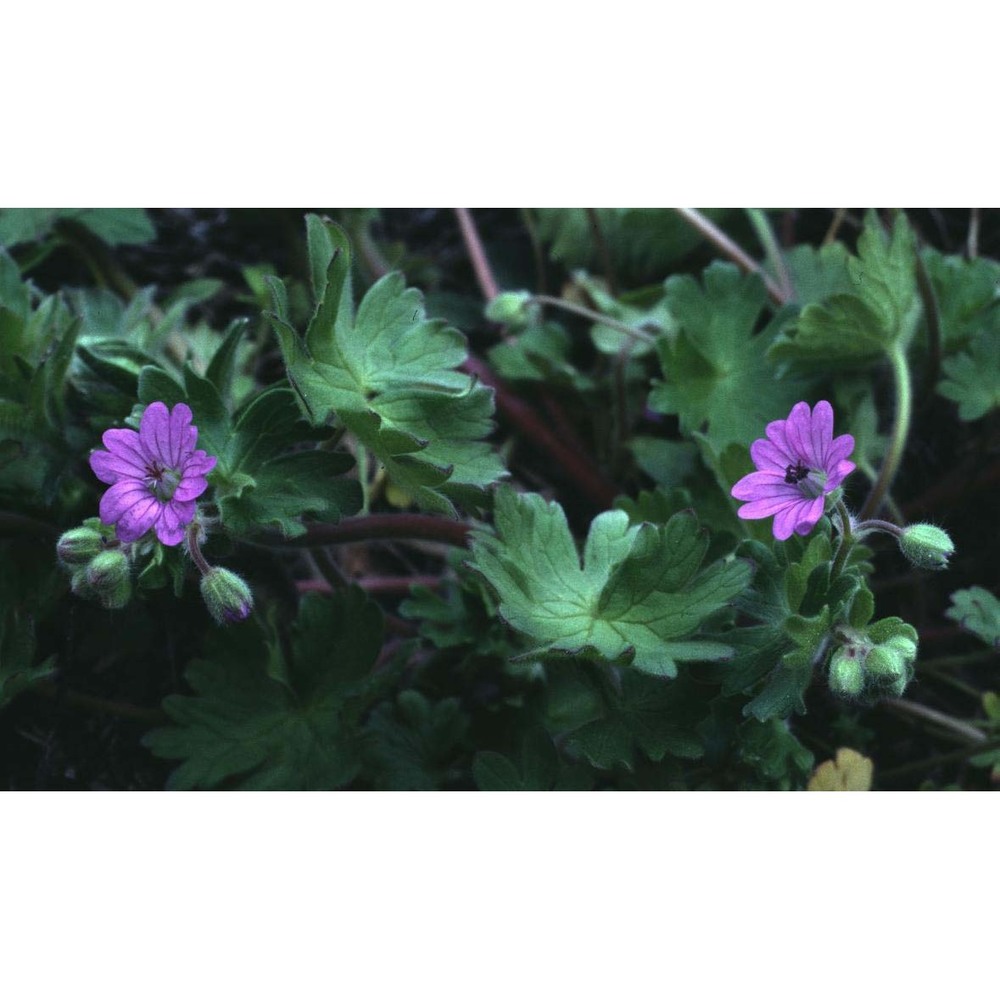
(373, 584)
(374, 527)
(474, 247)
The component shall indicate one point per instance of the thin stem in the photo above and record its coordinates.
(874, 524)
(733, 251)
(602, 248)
(377, 527)
(374, 584)
(945, 758)
(536, 250)
(838, 220)
(900, 431)
(194, 549)
(576, 464)
(933, 316)
(90, 703)
(972, 243)
(967, 732)
(361, 459)
(594, 317)
(765, 233)
(474, 246)
(846, 540)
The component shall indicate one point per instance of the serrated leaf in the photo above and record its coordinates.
(650, 715)
(260, 481)
(638, 596)
(243, 728)
(972, 378)
(391, 378)
(877, 316)
(715, 376)
(977, 611)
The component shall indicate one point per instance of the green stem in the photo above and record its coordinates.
(900, 432)
(846, 540)
(965, 731)
(765, 233)
(362, 460)
(594, 317)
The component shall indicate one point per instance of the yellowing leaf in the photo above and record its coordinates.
(850, 772)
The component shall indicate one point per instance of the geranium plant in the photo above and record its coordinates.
(350, 513)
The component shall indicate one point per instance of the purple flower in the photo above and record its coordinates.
(155, 475)
(798, 463)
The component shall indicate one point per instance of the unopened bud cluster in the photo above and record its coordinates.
(864, 669)
(101, 568)
(98, 568)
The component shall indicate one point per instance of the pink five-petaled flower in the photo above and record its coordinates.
(798, 463)
(155, 475)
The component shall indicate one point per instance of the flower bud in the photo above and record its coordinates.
(847, 678)
(510, 308)
(227, 595)
(78, 546)
(885, 664)
(109, 577)
(926, 546)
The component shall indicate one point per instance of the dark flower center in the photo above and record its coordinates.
(162, 481)
(795, 473)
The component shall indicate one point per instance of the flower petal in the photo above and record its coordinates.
(758, 485)
(767, 456)
(798, 434)
(121, 497)
(110, 468)
(126, 444)
(821, 427)
(170, 526)
(190, 488)
(766, 506)
(840, 448)
(199, 464)
(180, 428)
(787, 520)
(154, 431)
(809, 517)
(838, 475)
(138, 519)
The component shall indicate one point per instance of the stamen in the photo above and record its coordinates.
(795, 473)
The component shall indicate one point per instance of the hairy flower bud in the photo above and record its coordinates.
(847, 678)
(226, 595)
(926, 546)
(78, 546)
(109, 577)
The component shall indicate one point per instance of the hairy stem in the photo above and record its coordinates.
(900, 432)
(90, 703)
(733, 251)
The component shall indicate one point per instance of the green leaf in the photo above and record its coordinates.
(17, 651)
(967, 292)
(638, 598)
(245, 728)
(113, 225)
(413, 744)
(714, 369)
(649, 715)
(879, 314)
(263, 480)
(391, 377)
(972, 379)
(977, 611)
